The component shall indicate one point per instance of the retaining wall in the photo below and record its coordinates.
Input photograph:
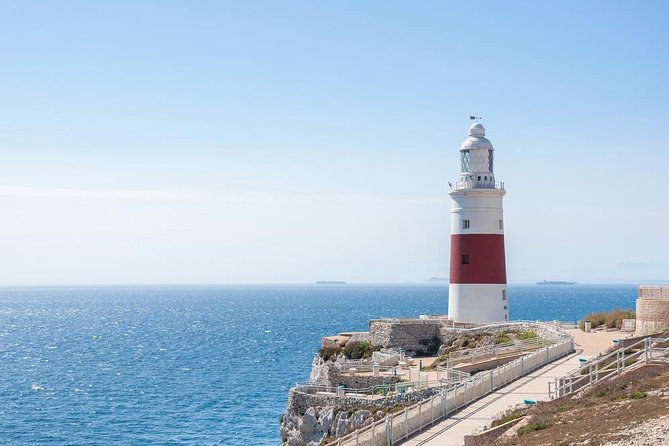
(652, 315)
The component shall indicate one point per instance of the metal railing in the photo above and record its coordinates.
(613, 364)
(401, 425)
(460, 185)
(494, 350)
(660, 292)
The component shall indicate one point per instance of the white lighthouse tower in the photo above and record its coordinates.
(477, 283)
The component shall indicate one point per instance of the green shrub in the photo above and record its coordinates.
(539, 424)
(359, 350)
(513, 415)
(329, 353)
(610, 319)
(502, 338)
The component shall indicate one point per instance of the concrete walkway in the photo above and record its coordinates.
(534, 386)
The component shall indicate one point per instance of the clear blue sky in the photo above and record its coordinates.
(227, 142)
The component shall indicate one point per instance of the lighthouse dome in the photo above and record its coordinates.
(476, 139)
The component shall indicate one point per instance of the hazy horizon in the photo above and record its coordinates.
(262, 142)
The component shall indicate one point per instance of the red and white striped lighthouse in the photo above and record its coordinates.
(477, 282)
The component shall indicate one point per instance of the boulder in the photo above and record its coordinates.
(341, 424)
(309, 421)
(359, 418)
(326, 418)
(386, 358)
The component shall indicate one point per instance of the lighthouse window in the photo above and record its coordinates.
(479, 179)
(503, 294)
(465, 259)
(505, 307)
(465, 224)
(465, 160)
(490, 161)
(501, 225)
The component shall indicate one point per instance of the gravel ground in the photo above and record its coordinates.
(650, 433)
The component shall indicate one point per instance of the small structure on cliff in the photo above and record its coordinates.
(652, 309)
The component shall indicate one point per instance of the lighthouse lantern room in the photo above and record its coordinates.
(477, 282)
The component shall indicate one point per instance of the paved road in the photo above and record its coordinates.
(451, 431)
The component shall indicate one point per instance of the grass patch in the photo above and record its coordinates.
(523, 335)
(539, 424)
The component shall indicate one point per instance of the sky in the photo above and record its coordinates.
(289, 142)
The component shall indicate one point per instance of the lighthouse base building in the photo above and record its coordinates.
(477, 282)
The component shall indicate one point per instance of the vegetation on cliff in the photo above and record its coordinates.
(352, 350)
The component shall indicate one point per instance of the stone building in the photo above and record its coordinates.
(652, 309)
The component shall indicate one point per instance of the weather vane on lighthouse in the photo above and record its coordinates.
(475, 118)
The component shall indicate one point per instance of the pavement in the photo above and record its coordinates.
(452, 430)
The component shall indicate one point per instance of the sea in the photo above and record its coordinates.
(199, 365)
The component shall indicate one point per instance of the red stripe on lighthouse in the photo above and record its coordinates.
(485, 255)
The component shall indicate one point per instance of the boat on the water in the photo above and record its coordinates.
(555, 282)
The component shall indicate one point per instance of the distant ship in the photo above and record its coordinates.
(330, 282)
(555, 282)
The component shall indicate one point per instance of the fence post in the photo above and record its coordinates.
(389, 430)
(646, 344)
(420, 417)
(406, 423)
(443, 402)
(357, 434)
(432, 410)
(491, 384)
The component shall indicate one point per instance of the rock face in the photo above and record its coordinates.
(320, 422)
(309, 418)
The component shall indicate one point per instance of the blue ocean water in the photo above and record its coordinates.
(198, 365)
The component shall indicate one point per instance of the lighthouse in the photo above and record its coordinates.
(477, 283)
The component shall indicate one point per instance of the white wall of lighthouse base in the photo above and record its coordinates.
(477, 302)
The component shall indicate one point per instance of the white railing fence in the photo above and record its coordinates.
(610, 365)
(403, 424)
(495, 350)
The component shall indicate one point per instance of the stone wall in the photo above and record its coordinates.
(411, 334)
(652, 315)
(405, 333)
